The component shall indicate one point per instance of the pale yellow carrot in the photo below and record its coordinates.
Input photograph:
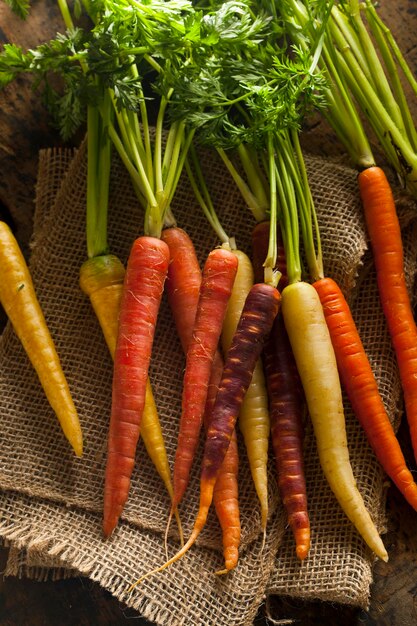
(311, 344)
(19, 300)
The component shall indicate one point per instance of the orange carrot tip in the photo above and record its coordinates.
(303, 543)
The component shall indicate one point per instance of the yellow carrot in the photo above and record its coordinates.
(311, 344)
(254, 414)
(101, 279)
(19, 300)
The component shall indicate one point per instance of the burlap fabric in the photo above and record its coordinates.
(50, 512)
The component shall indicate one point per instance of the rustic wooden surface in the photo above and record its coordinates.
(23, 131)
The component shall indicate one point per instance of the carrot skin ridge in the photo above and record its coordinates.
(316, 363)
(286, 403)
(385, 237)
(254, 422)
(362, 389)
(142, 291)
(101, 279)
(217, 281)
(20, 302)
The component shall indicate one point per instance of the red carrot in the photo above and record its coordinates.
(362, 389)
(183, 289)
(183, 283)
(286, 404)
(385, 236)
(259, 312)
(143, 286)
(217, 282)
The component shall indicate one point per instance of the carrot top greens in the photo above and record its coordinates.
(255, 103)
(129, 56)
(366, 73)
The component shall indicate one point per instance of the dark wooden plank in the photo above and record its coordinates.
(24, 127)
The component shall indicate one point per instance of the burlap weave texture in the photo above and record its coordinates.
(52, 502)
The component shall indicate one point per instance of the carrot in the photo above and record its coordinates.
(261, 307)
(286, 410)
(183, 283)
(183, 289)
(313, 351)
(19, 300)
(217, 281)
(101, 279)
(142, 290)
(362, 389)
(226, 490)
(260, 240)
(385, 237)
(254, 414)
(286, 403)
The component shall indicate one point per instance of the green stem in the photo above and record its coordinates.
(66, 15)
(186, 144)
(174, 169)
(370, 63)
(380, 35)
(288, 223)
(311, 232)
(343, 115)
(390, 136)
(253, 174)
(251, 201)
(103, 175)
(203, 196)
(271, 276)
(393, 44)
(92, 168)
(157, 160)
(138, 176)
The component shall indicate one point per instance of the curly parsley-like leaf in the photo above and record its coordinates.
(20, 7)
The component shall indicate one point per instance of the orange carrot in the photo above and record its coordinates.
(101, 279)
(217, 282)
(362, 389)
(183, 289)
(385, 236)
(258, 314)
(143, 287)
(19, 300)
(286, 405)
(226, 490)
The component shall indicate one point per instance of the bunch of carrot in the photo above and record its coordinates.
(253, 354)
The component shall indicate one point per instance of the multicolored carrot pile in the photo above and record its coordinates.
(224, 77)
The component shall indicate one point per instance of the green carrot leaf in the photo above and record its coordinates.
(20, 7)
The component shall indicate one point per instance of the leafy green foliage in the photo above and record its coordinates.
(20, 7)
